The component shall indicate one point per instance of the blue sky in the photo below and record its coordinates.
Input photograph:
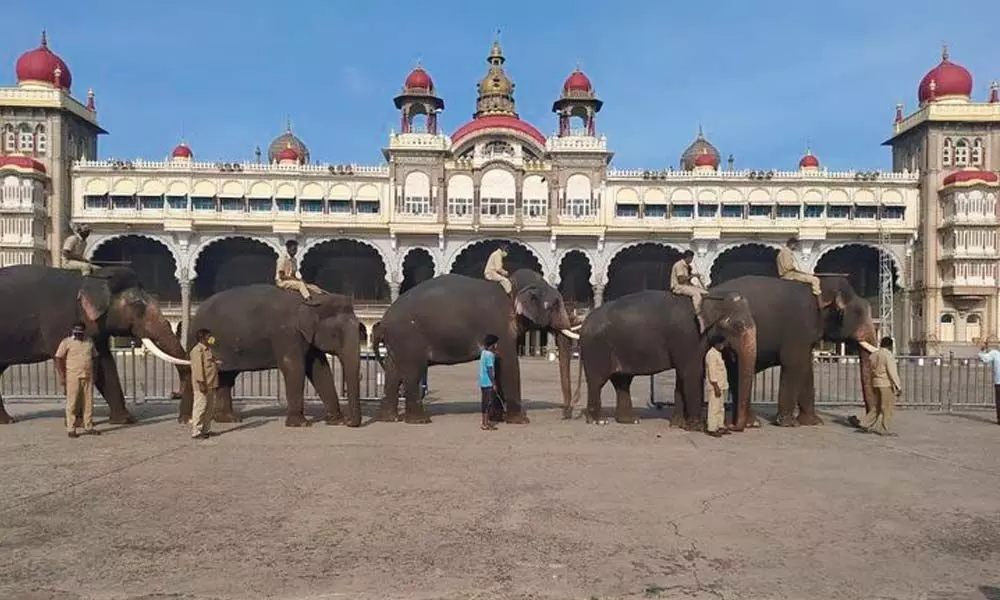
(764, 78)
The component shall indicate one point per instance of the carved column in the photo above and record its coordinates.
(185, 310)
(598, 294)
(393, 290)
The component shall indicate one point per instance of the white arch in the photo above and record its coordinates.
(388, 265)
(605, 267)
(435, 259)
(453, 257)
(417, 185)
(497, 183)
(196, 253)
(179, 263)
(733, 246)
(896, 261)
(561, 256)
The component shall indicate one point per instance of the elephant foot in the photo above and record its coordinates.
(335, 420)
(785, 421)
(567, 414)
(6, 419)
(387, 416)
(117, 418)
(417, 419)
(184, 419)
(693, 425)
(809, 420)
(518, 419)
(595, 418)
(297, 421)
(227, 417)
(677, 420)
(626, 419)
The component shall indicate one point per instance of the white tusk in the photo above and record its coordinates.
(160, 354)
(569, 334)
(576, 327)
(868, 347)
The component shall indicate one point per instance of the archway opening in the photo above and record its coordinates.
(750, 259)
(233, 262)
(472, 260)
(642, 267)
(861, 265)
(347, 267)
(418, 267)
(574, 280)
(151, 261)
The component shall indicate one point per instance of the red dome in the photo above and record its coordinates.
(419, 79)
(972, 177)
(182, 151)
(949, 79)
(288, 153)
(21, 163)
(499, 122)
(40, 64)
(809, 161)
(577, 82)
(704, 160)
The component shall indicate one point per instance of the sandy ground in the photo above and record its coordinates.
(553, 509)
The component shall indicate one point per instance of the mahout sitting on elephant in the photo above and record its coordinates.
(652, 331)
(259, 327)
(443, 320)
(789, 325)
(39, 305)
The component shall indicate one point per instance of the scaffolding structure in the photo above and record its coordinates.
(886, 283)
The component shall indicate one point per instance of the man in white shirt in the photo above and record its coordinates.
(73, 251)
(286, 274)
(991, 356)
(494, 270)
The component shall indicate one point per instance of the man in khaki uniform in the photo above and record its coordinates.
(205, 377)
(682, 279)
(286, 274)
(885, 378)
(717, 380)
(75, 365)
(788, 268)
(73, 251)
(494, 270)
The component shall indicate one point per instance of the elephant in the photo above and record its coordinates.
(652, 331)
(789, 325)
(41, 304)
(443, 320)
(261, 326)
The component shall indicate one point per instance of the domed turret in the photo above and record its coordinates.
(577, 82)
(577, 100)
(287, 140)
(496, 90)
(809, 162)
(946, 81)
(42, 67)
(705, 162)
(418, 81)
(698, 147)
(288, 156)
(418, 98)
(182, 152)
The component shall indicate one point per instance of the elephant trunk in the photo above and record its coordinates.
(565, 324)
(161, 341)
(350, 362)
(565, 348)
(865, 336)
(745, 346)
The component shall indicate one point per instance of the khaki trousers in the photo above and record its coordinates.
(204, 410)
(805, 278)
(77, 389)
(503, 281)
(78, 265)
(716, 418)
(306, 289)
(878, 418)
(693, 291)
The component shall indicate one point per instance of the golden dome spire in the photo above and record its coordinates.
(496, 90)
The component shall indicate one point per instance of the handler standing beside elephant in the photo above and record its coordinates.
(75, 364)
(788, 268)
(286, 275)
(488, 379)
(74, 248)
(717, 380)
(494, 270)
(682, 283)
(205, 377)
(885, 380)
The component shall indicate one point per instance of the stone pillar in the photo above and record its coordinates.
(598, 294)
(185, 311)
(393, 291)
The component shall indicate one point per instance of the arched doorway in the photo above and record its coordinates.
(150, 259)
(973, 328)
(574, 280)
(472, 260)
(860, 263)
(347, 267)
(233, 262)
(748, 259)
(642, 267)
(418, 267)
(947, 328)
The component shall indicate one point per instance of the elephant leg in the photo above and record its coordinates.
(388, 410)
(623, 399)
(510, 383)
(679, 416)
(321, 376)
(294, 372)
(107, 382)
(693, 391)
(594, 385)
(734, 384)
(807, 399)
(224, 412)
(788, 390)
(5, 418)
(414, 412)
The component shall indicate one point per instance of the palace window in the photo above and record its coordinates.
(367, 207)
(417, 205)
(759, 211)
(259, 205)
(627, 211)
(732, 211)
(179, 202)
(498, 208)
(460, 207)
(203, 203)
(151, 202)
(231, 204)
(535, 208)
(681, 211)
(865, 212)
(977, 152)
(124, 202)
(838, 211)
(708, 211)
(973, 328)
(814, 211)
(311, 206)
(286, 204)
(961, 153)
(339, 207)
(947, 328)
(41, 140)
(893, 212)
(947, 152)
(9, 139)
(96, 202)
(788, 211)
(579, 208)
(654, 211)
(25, 140)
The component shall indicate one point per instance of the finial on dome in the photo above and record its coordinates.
(944, 51)
(256, 154)
(91, 106)
(496, 52)
(701, 133)
(45, 40)
(899, 112)
(288, 126)
(994, 92)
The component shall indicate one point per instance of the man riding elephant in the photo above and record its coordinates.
(682, 279)
(789, 269)
(494, 270)
(286, 275)
(74, 248)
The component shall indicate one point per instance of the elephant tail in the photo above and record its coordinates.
(378, 338)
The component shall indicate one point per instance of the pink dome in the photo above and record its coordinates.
(577, 82)
(182, 150)
(419, 79)
(41, 65)
(21, 163)
(809, 161)
(950, 79)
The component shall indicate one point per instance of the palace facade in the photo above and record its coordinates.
(919, 241)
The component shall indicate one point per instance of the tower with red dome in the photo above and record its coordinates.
(577, 100)
(43, 129)
(418, 99)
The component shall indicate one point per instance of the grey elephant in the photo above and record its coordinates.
(442, 322)
(39, 305)
(259, 327)
(652, 331)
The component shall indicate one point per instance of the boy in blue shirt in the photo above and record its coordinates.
(487, 378)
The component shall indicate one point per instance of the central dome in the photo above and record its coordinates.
(41, 65)
(287, 140)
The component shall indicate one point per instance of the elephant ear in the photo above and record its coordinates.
(94, 298)
(527, 304)
(307, 321)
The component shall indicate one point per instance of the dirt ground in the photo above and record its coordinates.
(549, 510)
